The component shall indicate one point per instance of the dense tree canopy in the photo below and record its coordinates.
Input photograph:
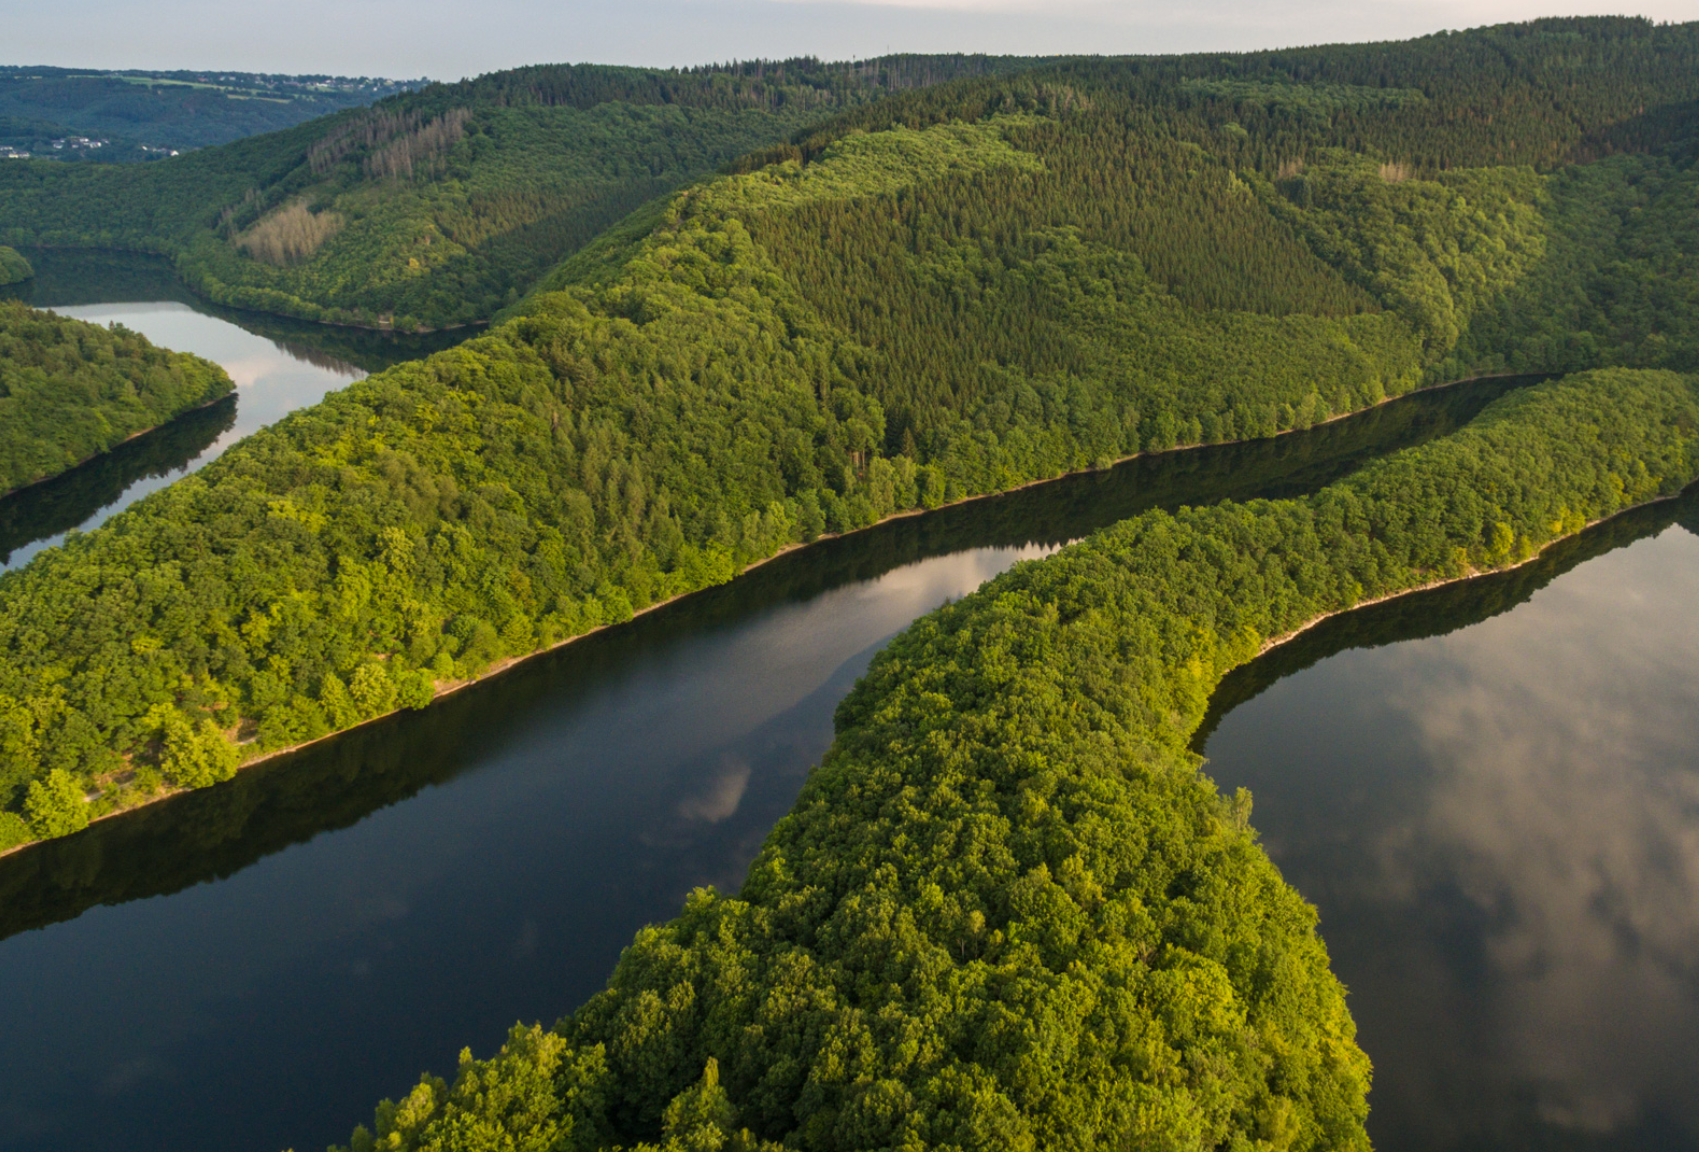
(14, 269)
(70, 390)
(438, 207)
(429, 208)
(1008, 911)
(895, 319)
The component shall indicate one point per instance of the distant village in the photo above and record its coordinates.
(73, 144)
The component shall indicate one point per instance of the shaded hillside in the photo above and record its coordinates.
(1007, 912)
(163, 111)
(438, 207)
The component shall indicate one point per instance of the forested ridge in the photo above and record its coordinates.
(432, 207)
(1008, 911)
(899, 318)
(145, 114)
(438, 207)
(70, 390)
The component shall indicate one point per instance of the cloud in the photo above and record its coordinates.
(1565, 808)
(720, 798)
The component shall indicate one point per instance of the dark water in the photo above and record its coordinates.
(253, 966)
(278, 366)
(1492, 794)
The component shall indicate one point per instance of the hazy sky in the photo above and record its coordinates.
(447, 39)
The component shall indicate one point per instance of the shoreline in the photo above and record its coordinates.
(507, 664)
(388, 330)
(1274, 642)
(7, 495)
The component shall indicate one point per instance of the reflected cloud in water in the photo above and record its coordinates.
(722, 793)
(304, 939)
(271, 381)
(1501, 829)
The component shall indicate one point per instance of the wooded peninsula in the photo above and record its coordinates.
(70, 391)
(1008, 911)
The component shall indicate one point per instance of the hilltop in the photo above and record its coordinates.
(134, 114)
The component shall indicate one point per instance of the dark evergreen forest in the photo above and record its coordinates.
(437, 207)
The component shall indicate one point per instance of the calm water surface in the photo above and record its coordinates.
(252, 966)
(1492, 794)
(277, 367)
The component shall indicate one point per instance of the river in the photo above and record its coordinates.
(1491, 792)
(252, 966)
(277, 366)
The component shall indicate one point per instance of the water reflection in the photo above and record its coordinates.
(270, 381)
(217, 831)
(69, 277)
(312, 942)
(1492, 794)
(278, 366)
(54, 507)
(272, 1007)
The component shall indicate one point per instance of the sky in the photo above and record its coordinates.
(449, 39)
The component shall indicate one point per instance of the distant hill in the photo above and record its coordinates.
(440, 206)
(140, 115)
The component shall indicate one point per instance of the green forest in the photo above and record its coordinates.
(436, 208)
(737, 309)
(147, 114)
(1013, 278)
(1008, 911)
(71, 390)
(14, 269)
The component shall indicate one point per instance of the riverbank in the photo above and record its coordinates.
(216, 400)
(448, 688)
(1471, 574)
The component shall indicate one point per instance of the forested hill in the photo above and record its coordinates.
(1007, 911)
(146, 114)
(438, 207)
(1541, 93)
(70, 390)
(1001, 281)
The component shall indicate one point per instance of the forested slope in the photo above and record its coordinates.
(433, 207)
(14, 269)
(70, 390)
(437, 207)
(1010, 279)
(1007, 910)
